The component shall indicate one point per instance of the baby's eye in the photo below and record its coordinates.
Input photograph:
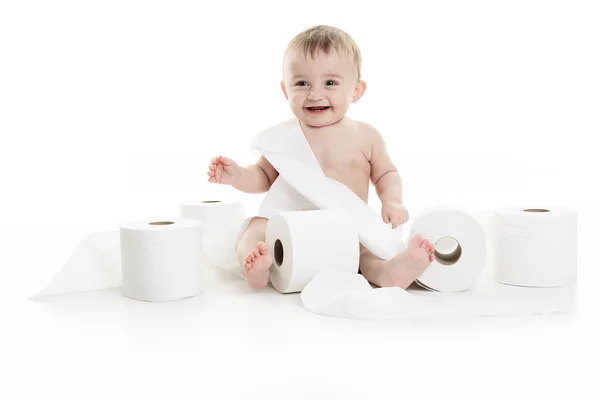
(331, 83)
(301, 83)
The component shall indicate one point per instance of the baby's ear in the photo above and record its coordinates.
(359, 90)
(283, 89)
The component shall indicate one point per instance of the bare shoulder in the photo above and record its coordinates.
(367, 137)
(367, 132)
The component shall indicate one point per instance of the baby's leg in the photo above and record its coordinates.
(401, 270)
(253, 253)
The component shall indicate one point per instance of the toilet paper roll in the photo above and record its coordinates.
(460, 248)
(161, 260)
(535, 246)
(221, 220)
(304, 243)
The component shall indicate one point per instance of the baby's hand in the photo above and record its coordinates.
(224, 170)
(394, 212)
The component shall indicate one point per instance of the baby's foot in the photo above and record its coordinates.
(403, 269)
(257, 266)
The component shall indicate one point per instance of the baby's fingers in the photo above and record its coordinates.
(397, 221)
(405, 216)
(226, 161)
(385, 218)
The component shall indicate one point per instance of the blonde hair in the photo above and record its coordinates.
(325, 38)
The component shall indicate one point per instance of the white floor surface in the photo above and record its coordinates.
(240, 343)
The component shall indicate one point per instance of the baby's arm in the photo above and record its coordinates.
(387, 181)
(256, 178)
(384, 174)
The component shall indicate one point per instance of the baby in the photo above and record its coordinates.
(321, 78)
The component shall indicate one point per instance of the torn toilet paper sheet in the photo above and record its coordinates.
(287, 149)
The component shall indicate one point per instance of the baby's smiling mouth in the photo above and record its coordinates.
(321, 108)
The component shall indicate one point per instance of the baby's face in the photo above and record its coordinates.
(320, 90)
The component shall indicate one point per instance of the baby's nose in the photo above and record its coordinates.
(314, 95)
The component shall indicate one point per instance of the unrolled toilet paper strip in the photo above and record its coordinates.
(161, 260)
(341, 294)
(535, 246)
(282, 197)
(302, 243)
(286, 148)
(221, 220)
(95, 263)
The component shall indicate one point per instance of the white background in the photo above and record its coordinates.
(110, 111)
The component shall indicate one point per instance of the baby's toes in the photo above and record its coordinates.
(430, 247)
(416, 240)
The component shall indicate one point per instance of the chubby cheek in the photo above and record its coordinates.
(296, 100)
(340, 99)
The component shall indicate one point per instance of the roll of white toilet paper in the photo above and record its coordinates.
(161, 260)
(221, 220)
(535, 246)
(460, 248)
(304, 243)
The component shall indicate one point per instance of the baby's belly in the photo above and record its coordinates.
(355, 180)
